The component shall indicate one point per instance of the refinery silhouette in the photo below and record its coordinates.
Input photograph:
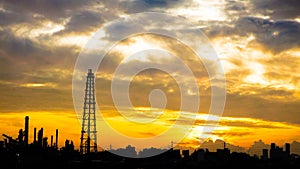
(19, 153)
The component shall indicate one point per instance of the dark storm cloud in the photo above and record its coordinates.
(258, 106)
(275, 36)
(136, 6)
(28, 50)
(235, 6)
(115, 31)
(26, 61)
(150, 22)
(77, 16)
(85, 21)
(29, 60)
(15, 46)
(8, 18)
(277, 9)
(53, 9)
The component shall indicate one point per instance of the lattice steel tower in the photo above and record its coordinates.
(88, 140)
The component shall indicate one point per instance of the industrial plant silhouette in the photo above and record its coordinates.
(18, 153)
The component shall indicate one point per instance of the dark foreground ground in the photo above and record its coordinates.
(168, 160)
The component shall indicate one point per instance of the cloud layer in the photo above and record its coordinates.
(257, 42)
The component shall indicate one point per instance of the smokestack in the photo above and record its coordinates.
(26, 130)
(34, 136)
(51, 144)
(56, 139)
(40, 137)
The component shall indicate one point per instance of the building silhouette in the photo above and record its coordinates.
(146, 152)
(129, 151)
(265, 154)
(277, 153)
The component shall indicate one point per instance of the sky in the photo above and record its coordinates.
(257, 43)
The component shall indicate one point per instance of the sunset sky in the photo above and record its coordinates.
(257, 42)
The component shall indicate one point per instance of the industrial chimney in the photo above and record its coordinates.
(56, 139)
(51, 143)
(34, 136)
(40, 137)
(26, 131)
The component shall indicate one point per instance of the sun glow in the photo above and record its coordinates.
(257, 74)
(203, 10)
(137, 44)
(78, 40)
(47, 28)
(51, 85)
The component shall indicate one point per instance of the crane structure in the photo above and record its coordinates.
(88, 139)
